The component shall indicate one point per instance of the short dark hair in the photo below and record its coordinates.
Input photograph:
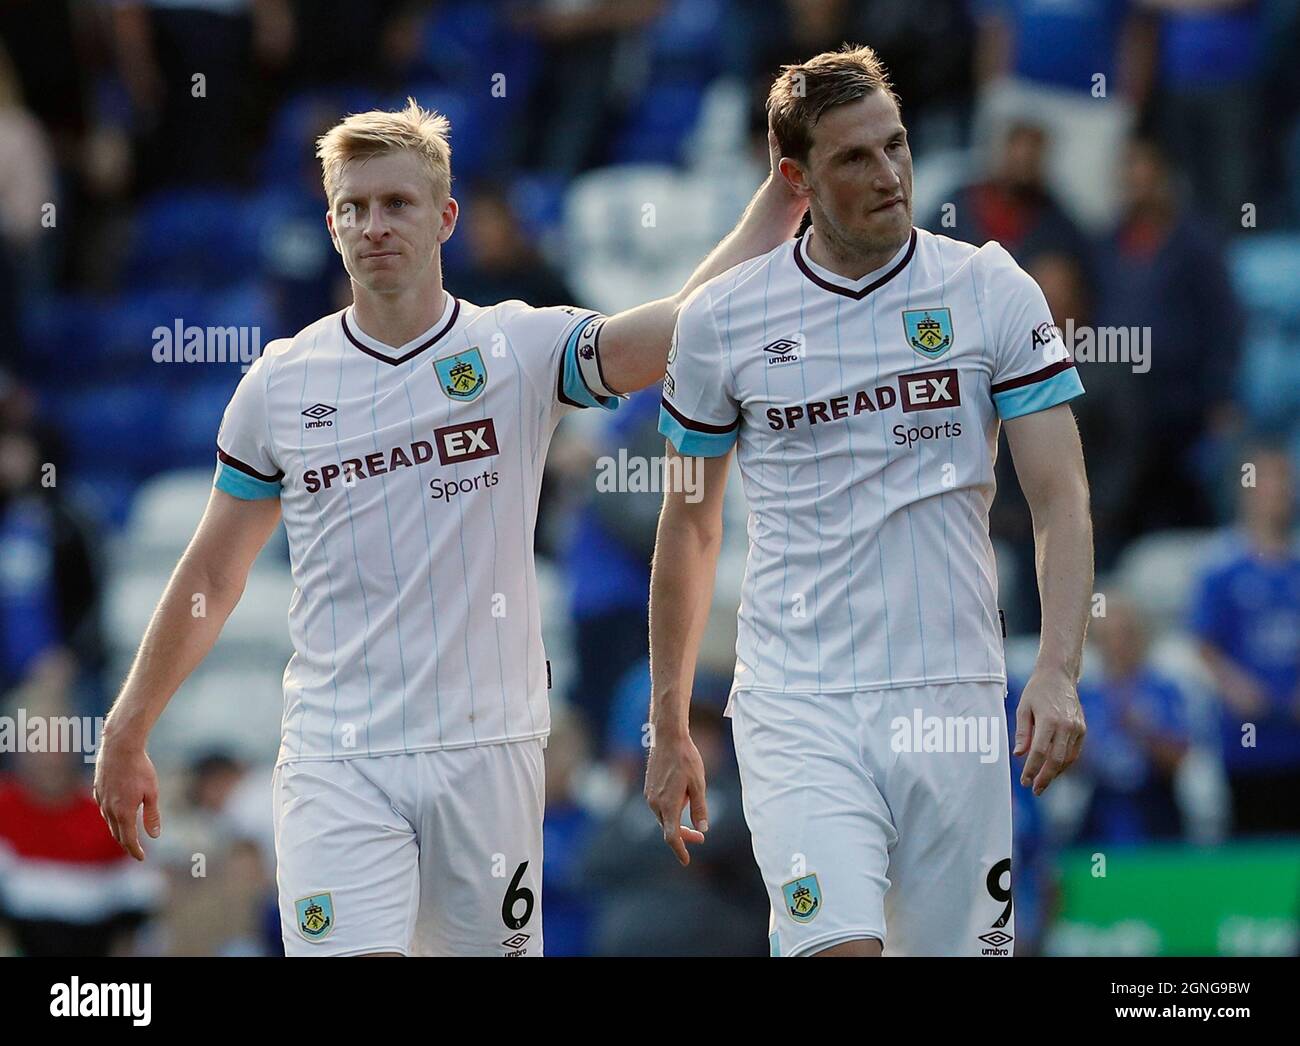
(801, 93)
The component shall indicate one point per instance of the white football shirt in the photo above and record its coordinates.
(408, 479)
(866, 414)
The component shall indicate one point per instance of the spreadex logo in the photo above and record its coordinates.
(917, 391)
(453, 444)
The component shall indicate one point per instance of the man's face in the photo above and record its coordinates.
(1271, 501)
(1121, 636)
(386, 223)
(858, 174)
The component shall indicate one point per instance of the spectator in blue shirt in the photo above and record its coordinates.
(1137, 736)
(1246, 614)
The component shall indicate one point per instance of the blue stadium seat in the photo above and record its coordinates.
(115, 429)
(61, 334)
(106, 494)
(193, 237)
(538, 200)
(290, 141)
(190, 421)
(686, 42)
(656, 130)
(1266, 274)
(244, 304)
(469, 113)
(457, 35)
(143, 320)
(1269, 378)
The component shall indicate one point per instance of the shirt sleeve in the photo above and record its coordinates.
(565, 341)
(246, 464)
(698, 412)
(1032, 368)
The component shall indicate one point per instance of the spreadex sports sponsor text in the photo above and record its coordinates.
(454, 444)
(922, 390)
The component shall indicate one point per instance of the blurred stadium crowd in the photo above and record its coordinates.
(1140, 159)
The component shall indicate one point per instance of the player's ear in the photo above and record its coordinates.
(329, 224)
(795, 175)
(450, 212)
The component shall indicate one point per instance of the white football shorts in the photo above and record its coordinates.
(884, 814)
(422, 853)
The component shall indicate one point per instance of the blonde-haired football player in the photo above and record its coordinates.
(402, 441)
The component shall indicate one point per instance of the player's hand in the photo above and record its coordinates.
(124, 780)
(1050, 727)
(775, 179)
(674, 776)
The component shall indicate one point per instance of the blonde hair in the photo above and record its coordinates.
(375, 133)
(803, 92)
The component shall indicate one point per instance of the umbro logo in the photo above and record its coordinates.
(996, 943)
(783, 350)
(319, 414)
(515, 945)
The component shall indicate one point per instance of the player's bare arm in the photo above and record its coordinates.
(681, 589)
(216, 564)
(634, 343)
(1048, 458)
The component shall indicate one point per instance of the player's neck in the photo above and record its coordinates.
(846, 261)
(401, 316)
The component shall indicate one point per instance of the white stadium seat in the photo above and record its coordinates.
(1159, 570)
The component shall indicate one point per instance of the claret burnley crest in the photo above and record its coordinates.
(315, 916)
(463, 375)
(803, 898)
(929, 331)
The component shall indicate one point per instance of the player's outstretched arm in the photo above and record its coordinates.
(1048, 458)
(634, 343)
(214, 566)
(681, 589)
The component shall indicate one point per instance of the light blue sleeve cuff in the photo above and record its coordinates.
(241, 485)
(696, 443)
(1029, 399)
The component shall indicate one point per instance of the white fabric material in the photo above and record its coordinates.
(418, 853)
(907, 847)
(868, 464)
(410, 515)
